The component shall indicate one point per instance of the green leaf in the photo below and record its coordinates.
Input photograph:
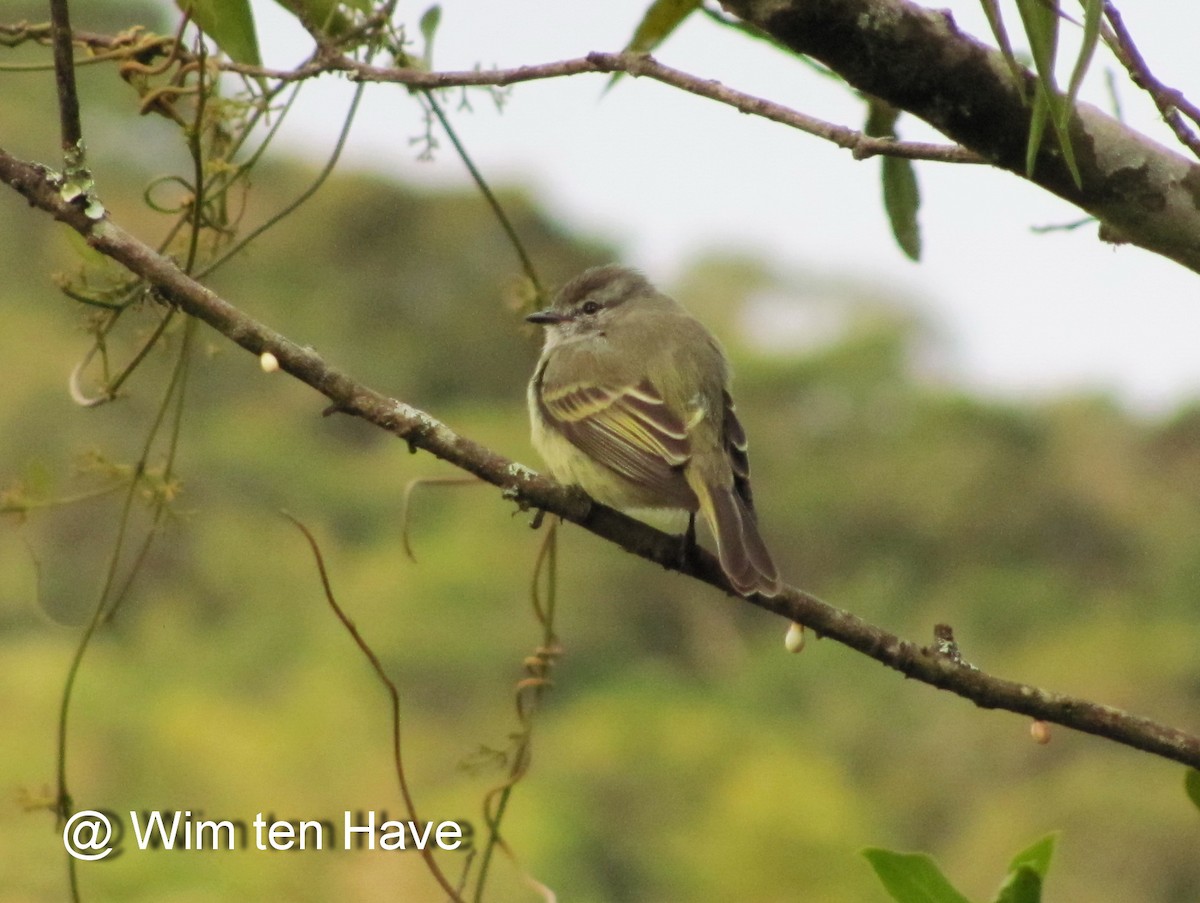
(1023, 886)
(901, 195)
(1191, 783)
(89, 255)
(229, 23)
(991, 9)
(1036, 856)
(912, 877)
(1037, 128)
(1061, 109)
(881, 118)
(1027, 871)
(1092, 10)
(662, 18)
(325, 16)
(1040, 18)
(902, 200)
(430, 20)
(1041, 27)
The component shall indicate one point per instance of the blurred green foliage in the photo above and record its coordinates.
(682, 755)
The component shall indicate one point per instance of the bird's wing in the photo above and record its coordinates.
(736, 447)
(627, 428)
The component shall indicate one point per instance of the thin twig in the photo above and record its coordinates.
(195, 143)
(63, 802)
(317, 182)
(636, 65)
(393, 692)
(24, 506)
(110, 391)
(173, 401)
(489, 196)
(107, 601)
(530, 691)
(406, 505)
(1170, 102)
(64, 75)
(102, 47)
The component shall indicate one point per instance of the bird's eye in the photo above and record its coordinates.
(591, 307)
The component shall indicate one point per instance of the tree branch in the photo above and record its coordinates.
(642, 65)
(528, 489)
(917, 59)
(64, 75)
(1170, 102)
(861, 145)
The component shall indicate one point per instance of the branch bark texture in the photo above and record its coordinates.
(918, 60)
(64, 75)
(531, 490)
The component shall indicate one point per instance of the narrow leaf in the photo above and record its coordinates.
(660, 20)
(1037, 128)
(229, 23)
(1027, 871)
(1023, 886)
(901, 195)
(1092, 10)
(991, 9)
(912, 877)
(430, 20)
(881, 118)
(1191, 783)
(902, 201)
(1040, 18)
(1036, 856)
(1060, 118)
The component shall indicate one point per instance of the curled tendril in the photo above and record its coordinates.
(75, 389)
(92, 301)
(148, 194)
(406, 504)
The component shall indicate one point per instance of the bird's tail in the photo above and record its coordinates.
(743, 554)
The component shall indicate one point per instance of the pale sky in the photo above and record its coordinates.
(667, 176)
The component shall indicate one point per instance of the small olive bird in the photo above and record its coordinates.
(630, 401)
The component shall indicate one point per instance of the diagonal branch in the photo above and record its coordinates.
(859, 144)
(919, 61)
(643, 65)
(1170, 102)
(529, 490)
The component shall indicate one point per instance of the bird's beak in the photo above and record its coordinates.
(547, 317)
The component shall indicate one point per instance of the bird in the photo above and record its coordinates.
(630, 401)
